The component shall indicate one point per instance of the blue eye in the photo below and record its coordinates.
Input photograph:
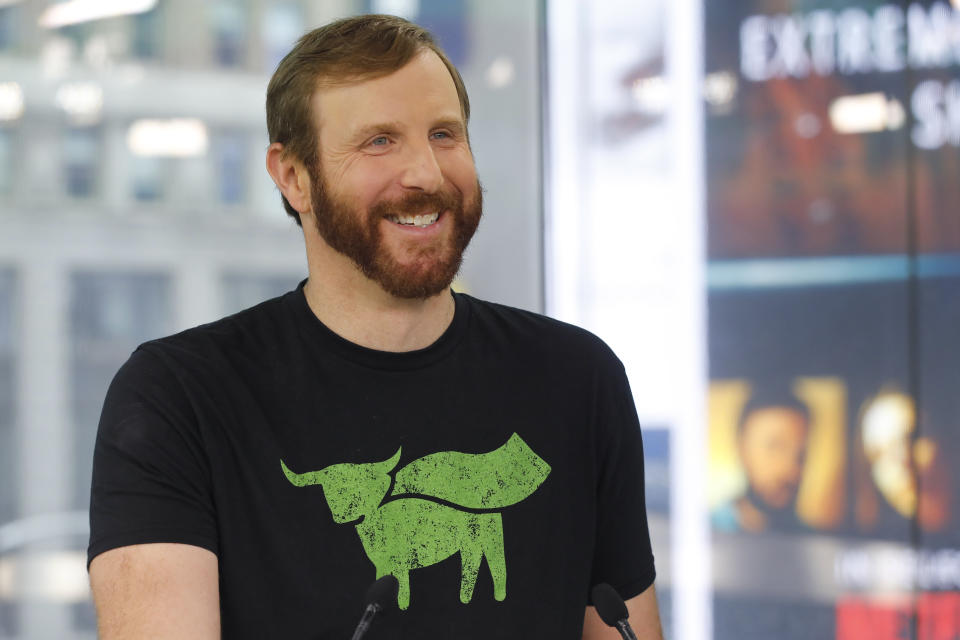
(379, 141)
(440, 134)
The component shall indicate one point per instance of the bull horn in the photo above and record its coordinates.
(387, 465)
(303, 479)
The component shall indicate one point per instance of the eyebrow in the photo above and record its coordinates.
(371, 129)
(454, 124)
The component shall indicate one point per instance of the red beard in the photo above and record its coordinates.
(427, 270)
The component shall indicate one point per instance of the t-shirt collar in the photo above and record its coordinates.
(314, 331)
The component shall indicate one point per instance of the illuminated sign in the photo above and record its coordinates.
(856, 41)
(938, 618)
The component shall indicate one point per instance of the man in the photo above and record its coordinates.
(910, 472)
(253, 476)
(772, 443)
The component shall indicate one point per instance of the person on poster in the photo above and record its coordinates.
(253, 476)
(772, 435)
(901, 476)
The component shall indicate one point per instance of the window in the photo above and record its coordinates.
(6, 161)
(229, 26)
(242, 290)
(9, 19)
(147, 34)
(110, 314)
(81, 152)
(282, 25)
(149, 177)
(231, 167)
(10, 626)
(8, 458)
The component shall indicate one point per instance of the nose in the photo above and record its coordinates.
(421, 170)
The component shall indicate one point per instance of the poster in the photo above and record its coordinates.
(833, 234)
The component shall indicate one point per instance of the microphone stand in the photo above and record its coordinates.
(625, 630)
(364, 625)
(381, 595)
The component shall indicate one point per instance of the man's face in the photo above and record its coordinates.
(396, 190)
(772, 447)
(887, 429)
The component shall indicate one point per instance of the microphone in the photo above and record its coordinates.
(612, 609)
(380, 596)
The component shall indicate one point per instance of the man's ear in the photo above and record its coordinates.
(290, 176)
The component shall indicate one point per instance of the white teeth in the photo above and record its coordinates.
(415, 221)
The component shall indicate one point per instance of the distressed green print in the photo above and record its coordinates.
(410, 529)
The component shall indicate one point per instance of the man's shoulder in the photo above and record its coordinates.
(252, 332)
(539, 331)
(253, 324)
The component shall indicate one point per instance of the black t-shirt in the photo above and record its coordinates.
(498, 472)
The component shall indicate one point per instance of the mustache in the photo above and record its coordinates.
(417, 203)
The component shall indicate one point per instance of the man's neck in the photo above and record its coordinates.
(359, 310)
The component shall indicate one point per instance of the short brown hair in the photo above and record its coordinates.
(344, 51)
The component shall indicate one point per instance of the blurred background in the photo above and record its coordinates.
(756, 203)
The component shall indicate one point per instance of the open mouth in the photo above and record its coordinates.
(418, 221)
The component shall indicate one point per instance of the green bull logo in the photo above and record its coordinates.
(411, 528)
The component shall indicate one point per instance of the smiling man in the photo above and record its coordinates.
(253, 476)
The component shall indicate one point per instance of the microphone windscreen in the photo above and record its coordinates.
(383, 592)
(609, 604)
